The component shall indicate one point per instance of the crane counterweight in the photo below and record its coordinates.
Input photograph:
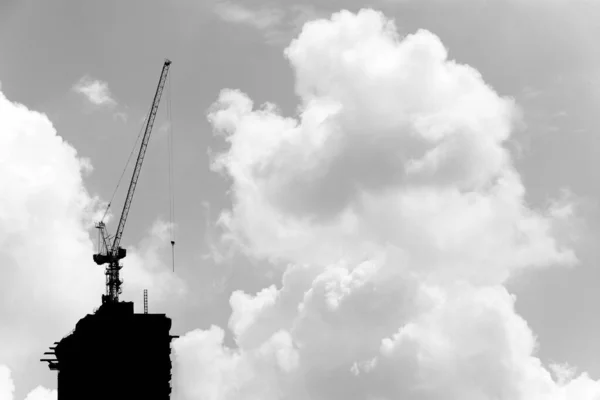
(112, 253)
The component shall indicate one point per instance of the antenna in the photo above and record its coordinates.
(145, 301)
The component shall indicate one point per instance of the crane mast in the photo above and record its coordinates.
(112, 254)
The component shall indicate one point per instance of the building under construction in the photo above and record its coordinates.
(114, 353)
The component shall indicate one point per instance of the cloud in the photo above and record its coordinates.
(263, 18)
(396, 208)
(148, 267)
(95, 91)
(277, 23)
(44, 244)
(123, 117)
(48, 280)
(518, 2)
(41, 393)
(7, 388)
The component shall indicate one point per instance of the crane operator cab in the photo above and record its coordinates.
(107, 258)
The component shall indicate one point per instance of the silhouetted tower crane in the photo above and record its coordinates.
(111, 254)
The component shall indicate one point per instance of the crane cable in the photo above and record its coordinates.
(171, 180)
(171, 177)
(135, 146)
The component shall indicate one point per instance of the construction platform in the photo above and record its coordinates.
(115, 354)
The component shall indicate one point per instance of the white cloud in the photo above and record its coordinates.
(48, 280)
(41, 393)
(277, 23)
(401, 215)
(476, 2)
(262, 18)
(44, 243)
(95, 91)
(121, 116)
(148, 266)
(7, 386)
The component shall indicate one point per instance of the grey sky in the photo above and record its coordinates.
(543, 54)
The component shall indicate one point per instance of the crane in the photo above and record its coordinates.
(111, 254)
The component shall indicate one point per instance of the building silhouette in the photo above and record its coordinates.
(115, 354)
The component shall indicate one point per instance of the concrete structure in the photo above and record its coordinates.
(115, 354)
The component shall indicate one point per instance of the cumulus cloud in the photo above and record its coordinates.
(546, 3)
(400, 216)
(42, 393)
(95, 91)
(7, 388)
(148, 267)
(48, 280)
(45, 247)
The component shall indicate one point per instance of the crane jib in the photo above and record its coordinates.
(141, 154)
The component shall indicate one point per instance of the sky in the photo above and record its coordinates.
(373, 200)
